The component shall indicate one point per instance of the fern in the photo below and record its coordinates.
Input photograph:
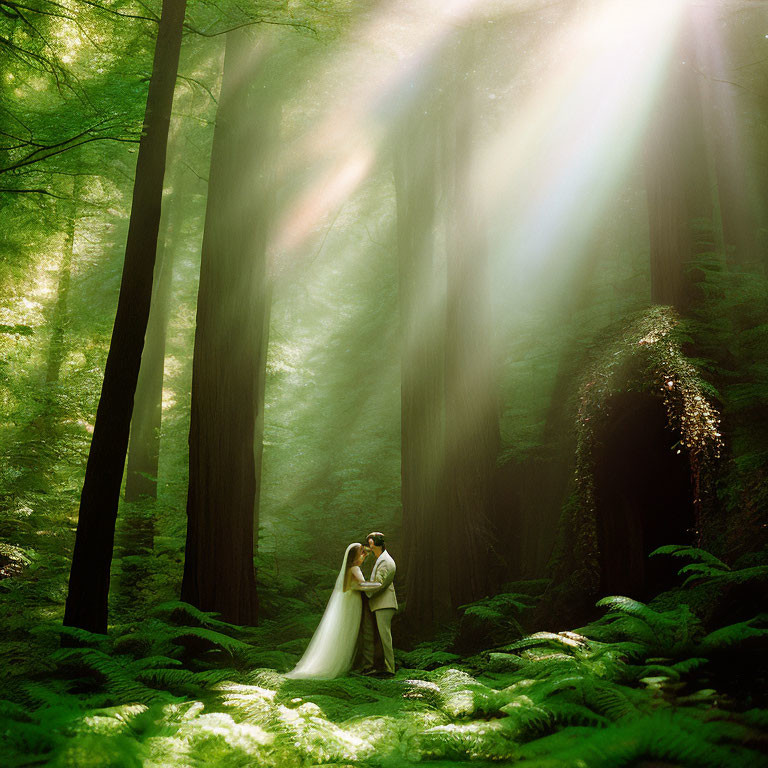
(425, 656)
(735, 634)
(665, 737)
(669, 634)
(694, 553)
(706, 568)
(177, 608)
(156, 637)
(563, 639)
(499, 606)
(85, 638)
(182, 680)
(119, 674)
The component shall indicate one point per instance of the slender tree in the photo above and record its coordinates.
(89, 577)
(137, 536)
(229, 356)
(144, 444)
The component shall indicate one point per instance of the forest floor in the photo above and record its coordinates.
(662, 684)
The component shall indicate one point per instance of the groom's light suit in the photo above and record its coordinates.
(383, 604)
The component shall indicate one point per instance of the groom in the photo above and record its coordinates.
(382, 603)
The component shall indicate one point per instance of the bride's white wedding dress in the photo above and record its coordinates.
(331, 650)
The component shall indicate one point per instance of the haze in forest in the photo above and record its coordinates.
(486, 276)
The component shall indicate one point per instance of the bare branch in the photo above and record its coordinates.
(193, 171)
(750, 64)
(200, 85)
(250, 23)
(726, 82)
(153, 19)
(27, 161)
(11, 191)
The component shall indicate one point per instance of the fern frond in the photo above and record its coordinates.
(86, 638)
(568, 639)
(632, 607)
(217, 639)
(173, 608)
(694, 553)
(734, 634)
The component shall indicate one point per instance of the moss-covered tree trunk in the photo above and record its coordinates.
(228, 365)
(89, 577)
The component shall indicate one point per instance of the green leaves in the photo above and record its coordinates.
(711, 570)
(679, 550)
(737, 634)
(17, 330)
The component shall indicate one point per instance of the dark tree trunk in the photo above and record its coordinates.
(138, 528)
(89, 577)
(261, 383)
(679, 199)
(421, 393)
(229, 358)
(144, 444)
(471, 406)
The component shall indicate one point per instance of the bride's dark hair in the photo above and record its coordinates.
(352, 556)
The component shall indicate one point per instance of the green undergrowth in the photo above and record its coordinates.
(645, 684)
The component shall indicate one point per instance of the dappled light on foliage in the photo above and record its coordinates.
(639, 683)
(486, 277)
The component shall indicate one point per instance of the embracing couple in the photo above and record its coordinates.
(356, 607)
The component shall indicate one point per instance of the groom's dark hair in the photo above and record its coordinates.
(378, 539)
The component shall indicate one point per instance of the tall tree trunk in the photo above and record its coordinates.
(258, 434)
(471, 406)
(677, 183)
(738, 194)
(229, 356)
(421, 391)
(138, 525)
(89, 577)
(144, 444)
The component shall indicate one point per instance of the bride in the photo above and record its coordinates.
(331, 650)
